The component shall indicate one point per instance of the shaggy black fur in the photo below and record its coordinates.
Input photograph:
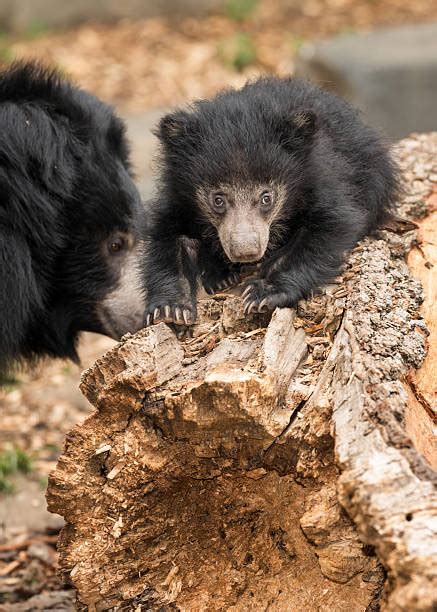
(339, 181)
(69, 214)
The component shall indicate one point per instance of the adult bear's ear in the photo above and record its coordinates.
(175, 127)
(296, 132)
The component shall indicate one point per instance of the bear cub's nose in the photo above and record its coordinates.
(245, 246)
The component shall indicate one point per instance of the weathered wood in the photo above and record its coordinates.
(184, 482)
(385, 486)
(421, 385)
(209, 476)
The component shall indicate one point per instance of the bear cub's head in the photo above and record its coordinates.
(238, 164)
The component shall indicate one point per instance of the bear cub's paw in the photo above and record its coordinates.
(262, 296)
(216, 280)
(170, 312)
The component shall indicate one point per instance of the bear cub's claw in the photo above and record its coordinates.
(179, 314)
(260, 296)
(214, 283)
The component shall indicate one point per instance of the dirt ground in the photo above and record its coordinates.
(137, 66)
(37, 409)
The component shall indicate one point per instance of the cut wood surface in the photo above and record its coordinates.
(265, 463)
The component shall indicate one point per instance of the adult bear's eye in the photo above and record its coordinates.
(116, 244)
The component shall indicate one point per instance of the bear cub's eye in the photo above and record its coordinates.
(219, 203)
(266, 199)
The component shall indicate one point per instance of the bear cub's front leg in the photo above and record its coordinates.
(171, 282)
(215, 273)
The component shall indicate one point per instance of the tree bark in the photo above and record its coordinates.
(266, 462)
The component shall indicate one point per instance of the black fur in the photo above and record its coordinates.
(340, 184)
(65, 191)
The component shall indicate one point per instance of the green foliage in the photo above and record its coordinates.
(12, 461)
(43, 482)
(296, 41)
(6, 486)
(240, 10)
(6, 56)
(238, 51)
(35, 29)
(51, 447)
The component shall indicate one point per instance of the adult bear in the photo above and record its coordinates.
(70, 218)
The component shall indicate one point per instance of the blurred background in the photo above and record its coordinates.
(144, 54)
(144, 57)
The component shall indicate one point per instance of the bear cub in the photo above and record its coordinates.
(281, 173)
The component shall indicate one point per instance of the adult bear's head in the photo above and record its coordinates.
(70, 218)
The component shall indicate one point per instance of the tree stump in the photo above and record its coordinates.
(268, 461)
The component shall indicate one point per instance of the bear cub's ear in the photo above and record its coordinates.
(174, 126)
(296, 132)
(304, 123)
